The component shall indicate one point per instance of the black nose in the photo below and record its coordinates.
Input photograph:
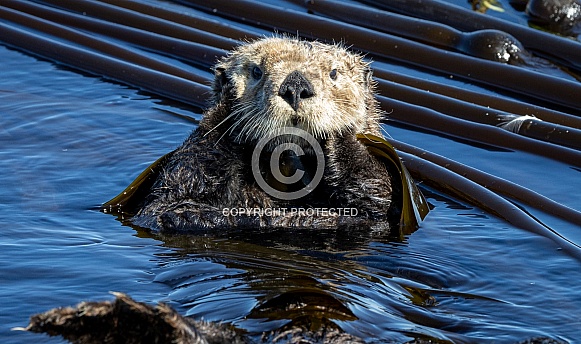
(295, 88)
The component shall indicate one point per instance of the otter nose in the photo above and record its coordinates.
(294, 88)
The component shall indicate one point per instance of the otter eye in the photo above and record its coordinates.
(256, 73)
(333, 74)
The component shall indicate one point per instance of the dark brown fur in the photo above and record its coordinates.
(129, 322)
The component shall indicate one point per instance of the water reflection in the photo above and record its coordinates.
(369, 286)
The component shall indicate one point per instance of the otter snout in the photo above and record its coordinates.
(295, 88)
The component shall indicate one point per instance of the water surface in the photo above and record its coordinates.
(69, 142)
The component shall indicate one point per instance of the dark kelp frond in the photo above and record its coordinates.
(133, 194)
(414, 207)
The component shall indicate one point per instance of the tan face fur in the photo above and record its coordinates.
(342, 90)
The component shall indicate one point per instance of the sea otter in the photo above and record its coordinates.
(280, 146)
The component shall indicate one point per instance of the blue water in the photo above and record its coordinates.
(69, 142)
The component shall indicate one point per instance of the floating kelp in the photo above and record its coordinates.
(182, 49)
(134, 193)
(481, 190)
(101, 46)
(138, 20)
(548, 88)
(415, 207)
(554, 48)
(103, 65)
(562, 16)
(495, 184)
(491, 45)
(492, 103)
(426, 118)
(545, 131)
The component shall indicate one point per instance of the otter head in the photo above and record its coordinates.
(275, 83)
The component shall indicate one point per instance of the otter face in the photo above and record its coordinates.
(282, 82)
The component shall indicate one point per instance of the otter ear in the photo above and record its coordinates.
(368, 77)
(220, 80)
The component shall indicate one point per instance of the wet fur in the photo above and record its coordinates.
(211, 171)
(126, 321)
